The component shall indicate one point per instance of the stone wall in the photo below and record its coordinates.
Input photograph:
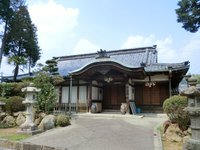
(25, 146)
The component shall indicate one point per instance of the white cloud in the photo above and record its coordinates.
(85, 46)
(166, 52)
(138, 41)
(191, 52)
(55, 25)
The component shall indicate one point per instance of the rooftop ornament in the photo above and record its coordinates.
(102, 54)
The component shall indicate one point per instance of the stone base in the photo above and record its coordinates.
(29, 132)
(192, 144)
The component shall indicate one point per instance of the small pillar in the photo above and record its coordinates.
(193, 95)
(28, 127)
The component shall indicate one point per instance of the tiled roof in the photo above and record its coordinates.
(19, 77)
(131, 58)
(161, 67)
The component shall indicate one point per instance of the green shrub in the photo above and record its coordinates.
(14, 104)
(62, 120)
(174, 107)
(47, 97)
(3, 99)
(11, 89)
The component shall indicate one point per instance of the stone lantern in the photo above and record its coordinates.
(28, 127)
(193, 95)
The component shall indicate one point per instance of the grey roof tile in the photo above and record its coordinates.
(131, 58)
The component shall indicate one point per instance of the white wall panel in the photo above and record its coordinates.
(82, 94)
(65, 94)
(74, 94)
(94, 93)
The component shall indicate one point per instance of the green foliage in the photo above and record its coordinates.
(197, 76)
(7, 11)
(21, 45)
(189, 14)
(3, 99)
(62, 120)
(14, 104)
(5, 89)
(57, 80)
(51, 67)
(174, 107)
(12, 89)
(47, 96)
(17, 137)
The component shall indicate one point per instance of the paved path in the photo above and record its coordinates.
(102, 133)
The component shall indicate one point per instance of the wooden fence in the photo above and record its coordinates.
(65, 108)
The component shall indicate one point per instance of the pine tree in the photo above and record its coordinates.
(7, 10)
(21, 45)
(189, 14)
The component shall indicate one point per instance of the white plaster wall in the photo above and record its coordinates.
(65, 94)
(82, 94)
(95, 93)
(160, 77)
(130, 92)
(94, 82)
(74, 94)
(81, 81)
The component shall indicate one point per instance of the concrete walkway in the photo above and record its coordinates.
(103, 133)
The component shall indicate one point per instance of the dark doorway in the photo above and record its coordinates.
(113, 96)
(151, 95)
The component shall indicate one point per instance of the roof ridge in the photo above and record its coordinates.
(111, 52)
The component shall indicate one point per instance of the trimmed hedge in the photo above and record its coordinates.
(14, 104)
(174, 107)
(62, 120)
(12, 89)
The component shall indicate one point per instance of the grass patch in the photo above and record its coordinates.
(11, 134)
(16, 137)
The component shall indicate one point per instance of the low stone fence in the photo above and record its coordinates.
(6, 144)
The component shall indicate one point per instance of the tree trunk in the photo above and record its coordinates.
(3, 42)
(16, 72)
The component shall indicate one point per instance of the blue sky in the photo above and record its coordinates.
(68, 27)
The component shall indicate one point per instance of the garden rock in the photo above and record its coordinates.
(9, 120)
(173, 133)
(20, 119)
(42, 115)
(48, 122)
(37, 121)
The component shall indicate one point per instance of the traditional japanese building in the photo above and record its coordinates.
(109, 78)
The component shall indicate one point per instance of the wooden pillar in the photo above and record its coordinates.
(60, 95)
(90, 96)
(70, 95)
(170, 82)
(170, 87)
(77, 102)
